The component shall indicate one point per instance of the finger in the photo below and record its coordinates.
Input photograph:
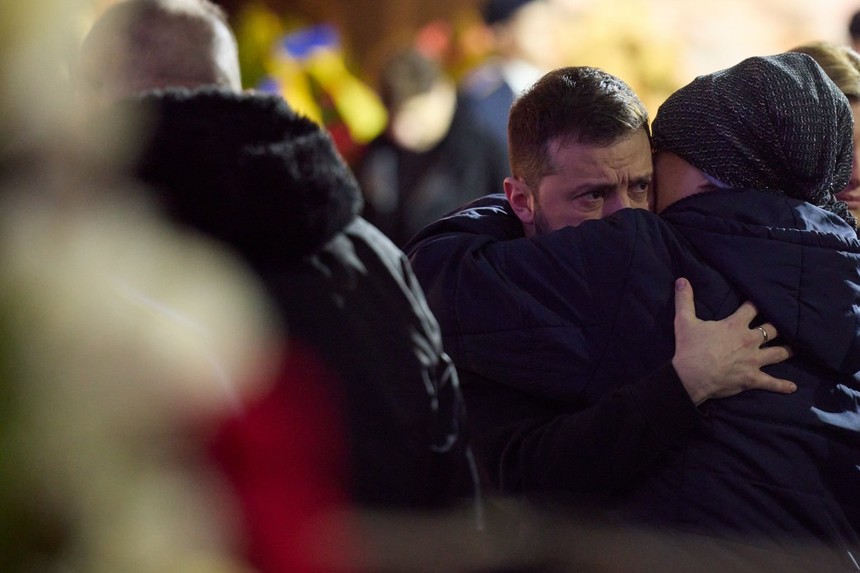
(685, 308)
(761, 335)
(745, 313)
(774, 355)
(771, 384)
(772, 332)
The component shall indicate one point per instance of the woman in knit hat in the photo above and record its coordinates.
(773, 124)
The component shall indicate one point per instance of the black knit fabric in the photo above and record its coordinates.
(245, 169)
(773, 123)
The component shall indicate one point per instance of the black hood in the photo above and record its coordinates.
(245, 169)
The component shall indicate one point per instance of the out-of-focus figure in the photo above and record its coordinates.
(434, 156)
(124, 340)
(524, 48)
(842, 65)
(366, 411)
(854, 30)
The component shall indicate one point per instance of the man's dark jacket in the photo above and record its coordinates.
(558, 339)
(269, 184)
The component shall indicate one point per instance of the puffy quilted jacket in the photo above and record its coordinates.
(562, 343)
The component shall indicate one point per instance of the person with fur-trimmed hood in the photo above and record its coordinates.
(245, 169)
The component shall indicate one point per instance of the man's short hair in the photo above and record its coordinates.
(570, 105)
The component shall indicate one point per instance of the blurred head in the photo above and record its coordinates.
(776, 124)
(842, 65)
(141, 45)
(420, 98)
(839, 63)
(501, 11)
(854, 29)
(523, 29)
(579, 150)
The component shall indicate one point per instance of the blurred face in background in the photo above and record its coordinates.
(530, 35)
(423, 120)
(851, 193)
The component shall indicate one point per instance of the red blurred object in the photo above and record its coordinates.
(285, 458)
(434, 39)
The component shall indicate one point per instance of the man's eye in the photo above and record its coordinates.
(595, 195)
(642, 186)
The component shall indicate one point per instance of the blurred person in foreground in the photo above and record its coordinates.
(363, 352)
(106, 397)
(842, 66)
(747, 163)
(434, 155)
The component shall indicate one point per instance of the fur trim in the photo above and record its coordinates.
(247, 170)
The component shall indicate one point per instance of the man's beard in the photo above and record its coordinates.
(541, 225)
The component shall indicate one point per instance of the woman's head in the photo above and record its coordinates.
(775, 123)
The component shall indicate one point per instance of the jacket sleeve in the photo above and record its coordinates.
(526, 443)
(524, 320)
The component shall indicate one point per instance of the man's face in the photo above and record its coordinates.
(589, 182)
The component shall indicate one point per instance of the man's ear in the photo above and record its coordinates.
(521, 199)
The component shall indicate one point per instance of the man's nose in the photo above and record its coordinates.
(615, 202)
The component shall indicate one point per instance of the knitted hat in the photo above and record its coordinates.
(772, 123)
(496, 11)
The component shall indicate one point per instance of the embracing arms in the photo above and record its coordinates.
(528, 443)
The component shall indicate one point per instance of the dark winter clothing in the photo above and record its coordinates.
(551, 335)
(246, 170)
(406, 190)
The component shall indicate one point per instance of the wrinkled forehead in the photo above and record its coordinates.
(636, 144)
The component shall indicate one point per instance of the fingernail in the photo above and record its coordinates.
(680, 284)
